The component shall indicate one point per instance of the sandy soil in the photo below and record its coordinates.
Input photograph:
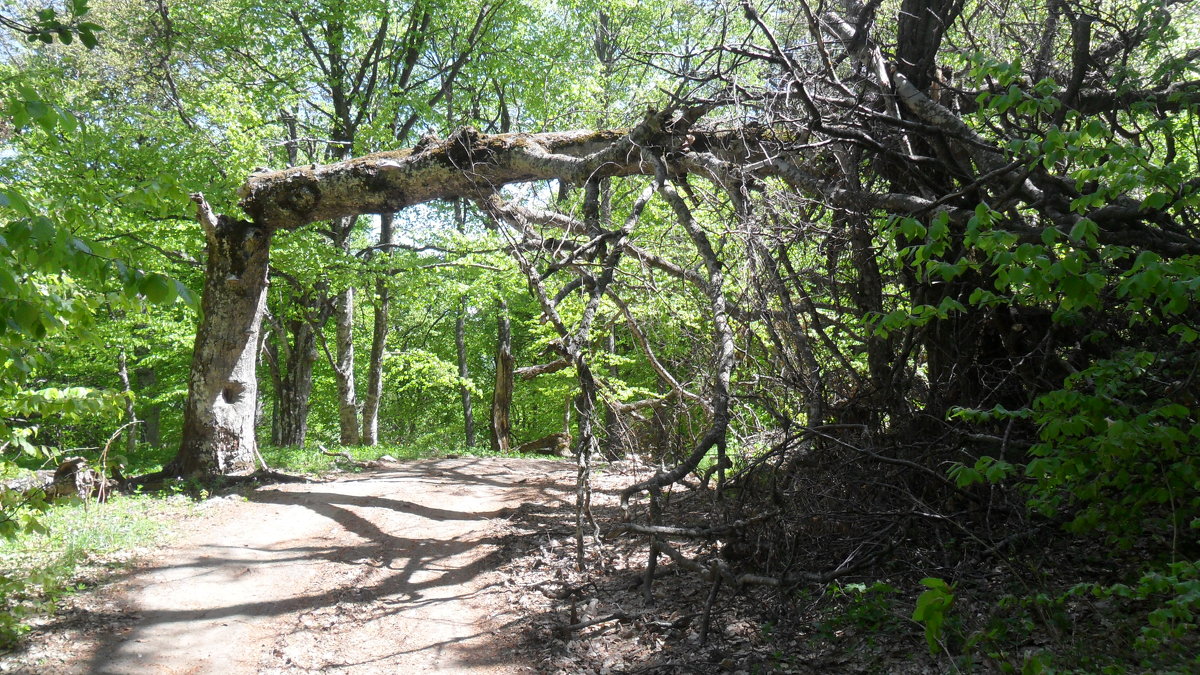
(390, 571)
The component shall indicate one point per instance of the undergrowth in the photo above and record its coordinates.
(76, 541)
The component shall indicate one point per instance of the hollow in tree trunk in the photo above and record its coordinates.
(218, 420)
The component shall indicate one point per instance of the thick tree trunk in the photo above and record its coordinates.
(218, 421)
(370, 414)
(503, 392)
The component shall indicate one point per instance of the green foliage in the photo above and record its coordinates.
(871, 608)
(933, 606)
(1116, 447)
(47, 25)
(1174, 596)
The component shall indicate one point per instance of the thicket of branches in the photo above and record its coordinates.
(947, 277)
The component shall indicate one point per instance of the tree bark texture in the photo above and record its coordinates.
(296, 383)
(502, 393)
(344, 368)
(218, 422)
(379, 333)
(343, 361)
(467, 164)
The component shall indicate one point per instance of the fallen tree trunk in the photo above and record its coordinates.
(73, 477)
(558, 443)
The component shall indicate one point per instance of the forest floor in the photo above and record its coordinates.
(389, 571)
(460, 565)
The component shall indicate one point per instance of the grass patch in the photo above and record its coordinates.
(309, 459)
(78, 544)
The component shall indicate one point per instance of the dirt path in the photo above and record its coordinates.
(384, 572)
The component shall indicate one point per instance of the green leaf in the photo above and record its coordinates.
(186, 295)
(1156, 200)
(88, 38)
(157, 288)
(28, 317)
(42, 230)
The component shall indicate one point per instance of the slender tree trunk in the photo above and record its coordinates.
(503, 392)
(460, 340)
(583, 459)
(151, 413)
(130, 415)
(612, 431)
(343, 365)
(370, 414)
(296, 385)
(276, 428)
(218, 420)
(271, 350)
(344, 370)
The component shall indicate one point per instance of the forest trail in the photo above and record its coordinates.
(380, 572)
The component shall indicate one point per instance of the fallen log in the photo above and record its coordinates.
(73, 476)
(557, 444)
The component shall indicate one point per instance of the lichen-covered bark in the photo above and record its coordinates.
(460, 166)
(218, 422)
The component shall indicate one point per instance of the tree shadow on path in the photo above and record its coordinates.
(382, 545)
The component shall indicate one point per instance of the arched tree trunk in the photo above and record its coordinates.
(218, 422)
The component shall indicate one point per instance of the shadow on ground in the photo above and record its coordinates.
(383, 551)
